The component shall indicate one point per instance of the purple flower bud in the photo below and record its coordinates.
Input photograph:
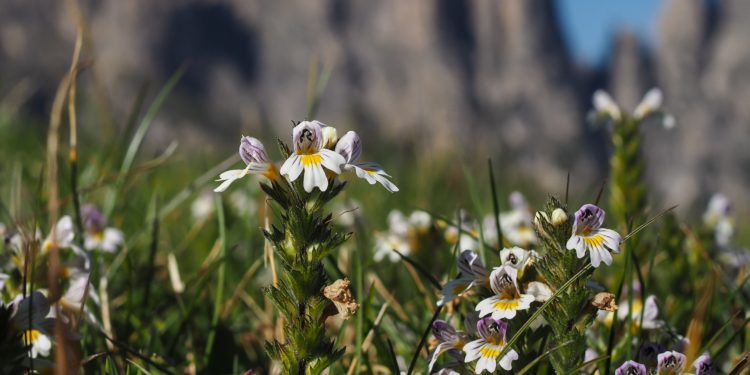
(671, 362)
(443, 331)
(703, 365)
(588, 218)
(631, 368)
(349, 146)
(93, 219)
(253, 151)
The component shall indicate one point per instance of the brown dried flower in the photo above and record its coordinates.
(604, 301)
(342, 298)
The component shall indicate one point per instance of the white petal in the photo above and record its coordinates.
(388, 185)
(292, 167)
(506, 361)
(113, 238)
(605, 255)
(332, 160)
(595, 259)
(309, 179)
(224, 185)
(490, 363)
(485, 307)
(472, 350)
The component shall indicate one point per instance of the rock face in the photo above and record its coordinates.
(493, 78)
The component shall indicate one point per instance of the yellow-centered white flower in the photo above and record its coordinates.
(310, 157)
(507, 300)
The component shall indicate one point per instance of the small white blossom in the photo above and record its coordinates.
(588, 236)
(507, 300)
(488, 347)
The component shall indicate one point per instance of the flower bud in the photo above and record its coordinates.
(330, 137)
(253, 151)
(349, 146)
(559, 217)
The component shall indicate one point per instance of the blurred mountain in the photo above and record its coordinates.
(493, 78)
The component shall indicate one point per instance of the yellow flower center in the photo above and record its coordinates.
(30, 336)
(505, 304)
(594, 241)
(310, 159)
(489, 351)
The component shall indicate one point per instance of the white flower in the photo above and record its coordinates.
(253, 153)
(202, 207)
(487, 349)
(507, 299)
(61, 236)
(717, 217)
(649, 310)
(310, 157)
(386, 243)
(517, 229)
(398, 224)
(539, 290)
(589, 236)
(420, 220)
(40, 343)
(650, 103)
(515, 257)
(450, 341)
(472, 274)
(350, 147)
(604, 105)
(97, 236)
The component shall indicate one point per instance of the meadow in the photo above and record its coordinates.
(121, 257)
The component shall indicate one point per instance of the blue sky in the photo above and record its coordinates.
(589, 25)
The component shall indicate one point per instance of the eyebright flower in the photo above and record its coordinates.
(253, 153)
(507, 299)
(589, 236)
(310, 156)
(350, 148)
(385, 243)
(605, 106)
(670, 363)
(631, 368)
(40, 343)
(703, 365)
(649, 310)
(487, 349)
(61, 237)
(650, 103)
(516, 257)
(473, 273)
(421, 221)
(516, 224)
(97, 236)
(449, 340)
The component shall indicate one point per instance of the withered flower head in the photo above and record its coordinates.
(342, 298)
(604, 301)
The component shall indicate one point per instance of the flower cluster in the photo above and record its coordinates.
(318, 156)
(669, 363)
(403, 235)
(32, 314)
(605, 108)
